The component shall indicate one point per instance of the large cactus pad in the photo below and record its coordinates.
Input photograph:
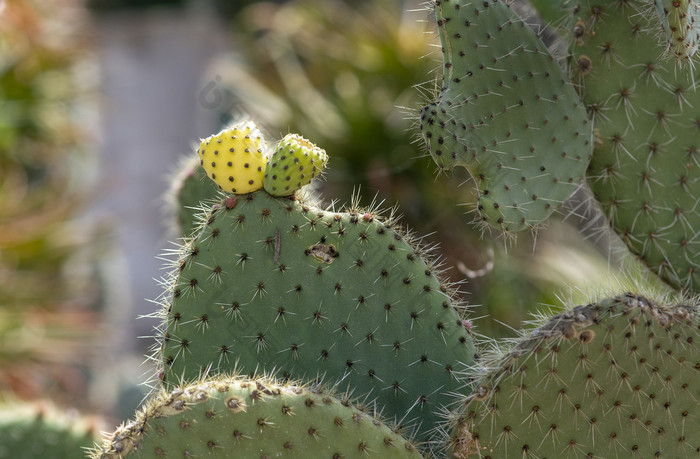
(507, 114)
(645, 170)
(277, 284)
(619, 378)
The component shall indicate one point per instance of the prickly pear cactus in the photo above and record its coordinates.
(279, 284)
(252, 419)
(235, 158)
(506, 113)
(645, 171)
(39, 431)
(619, 378)
(294, 164)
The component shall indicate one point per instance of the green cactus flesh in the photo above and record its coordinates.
(276, 284)
(507, 114)
(39, 432)
(252, 419)
(190, 188)
(295, 162)
(645, 170)
(619, 378)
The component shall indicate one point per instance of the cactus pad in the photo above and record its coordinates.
(680, 25)
(619, 378)
(507, 114)
(252, 419)
(278, 284)
(235, 158)
(645, 170)
(294, 164)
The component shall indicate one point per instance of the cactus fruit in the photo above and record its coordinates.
(277, 284)
(252, 419)
(294, 164)
(507, 114)
(39, 431)
(618, 378)
(235, 158)
(680, 27)
(645, 170)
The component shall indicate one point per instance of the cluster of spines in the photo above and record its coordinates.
(679, 22)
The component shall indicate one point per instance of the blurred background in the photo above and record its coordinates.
(100, 100)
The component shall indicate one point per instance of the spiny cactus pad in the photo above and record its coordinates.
(235, 158)
(680, 27)
(277, 284)
(619, 378)
(295, 162)
(506, 113)
(38, 431)
(645, 170)
(252, 419)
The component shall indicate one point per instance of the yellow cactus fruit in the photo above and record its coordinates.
(235, 158)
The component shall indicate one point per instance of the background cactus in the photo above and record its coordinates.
(506, 113)
(190, 187)
(646, 112)
(32, 431)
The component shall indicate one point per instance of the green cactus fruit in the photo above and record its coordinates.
(294, 164)
(190, 188)
(507, 114)
(645, 170)
(252, 419)
(618, 378)
(39, 431)
(279, 284)
(680, 27)
(235, 158)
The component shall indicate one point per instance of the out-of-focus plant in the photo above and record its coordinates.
(344, 90)
(46, 294)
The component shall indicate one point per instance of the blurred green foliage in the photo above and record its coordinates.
(45, 314)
